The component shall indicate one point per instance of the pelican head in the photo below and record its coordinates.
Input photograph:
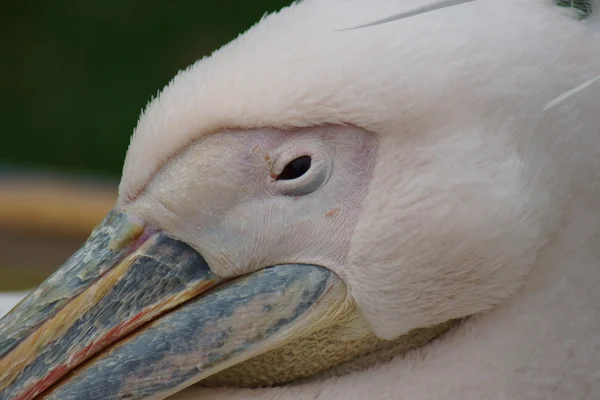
(310, 194)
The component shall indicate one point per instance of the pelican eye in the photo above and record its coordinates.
(295, 169)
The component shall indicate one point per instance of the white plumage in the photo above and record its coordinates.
(483, 199)
(297, 68)
(466, 86)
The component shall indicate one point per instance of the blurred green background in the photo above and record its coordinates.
(74, 75)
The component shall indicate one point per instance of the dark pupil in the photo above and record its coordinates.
(295, 169)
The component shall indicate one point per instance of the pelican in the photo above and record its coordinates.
(351, 200)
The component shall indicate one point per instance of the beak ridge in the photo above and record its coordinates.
(241, 319)
(143, 276)
(102, 250)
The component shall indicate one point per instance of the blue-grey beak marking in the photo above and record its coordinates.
(161, 276)
(125, 275)
(89, 263)
(174, 351)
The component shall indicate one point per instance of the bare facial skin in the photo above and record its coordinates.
(263, 220)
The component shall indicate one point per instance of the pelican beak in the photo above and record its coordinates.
(129, 316)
